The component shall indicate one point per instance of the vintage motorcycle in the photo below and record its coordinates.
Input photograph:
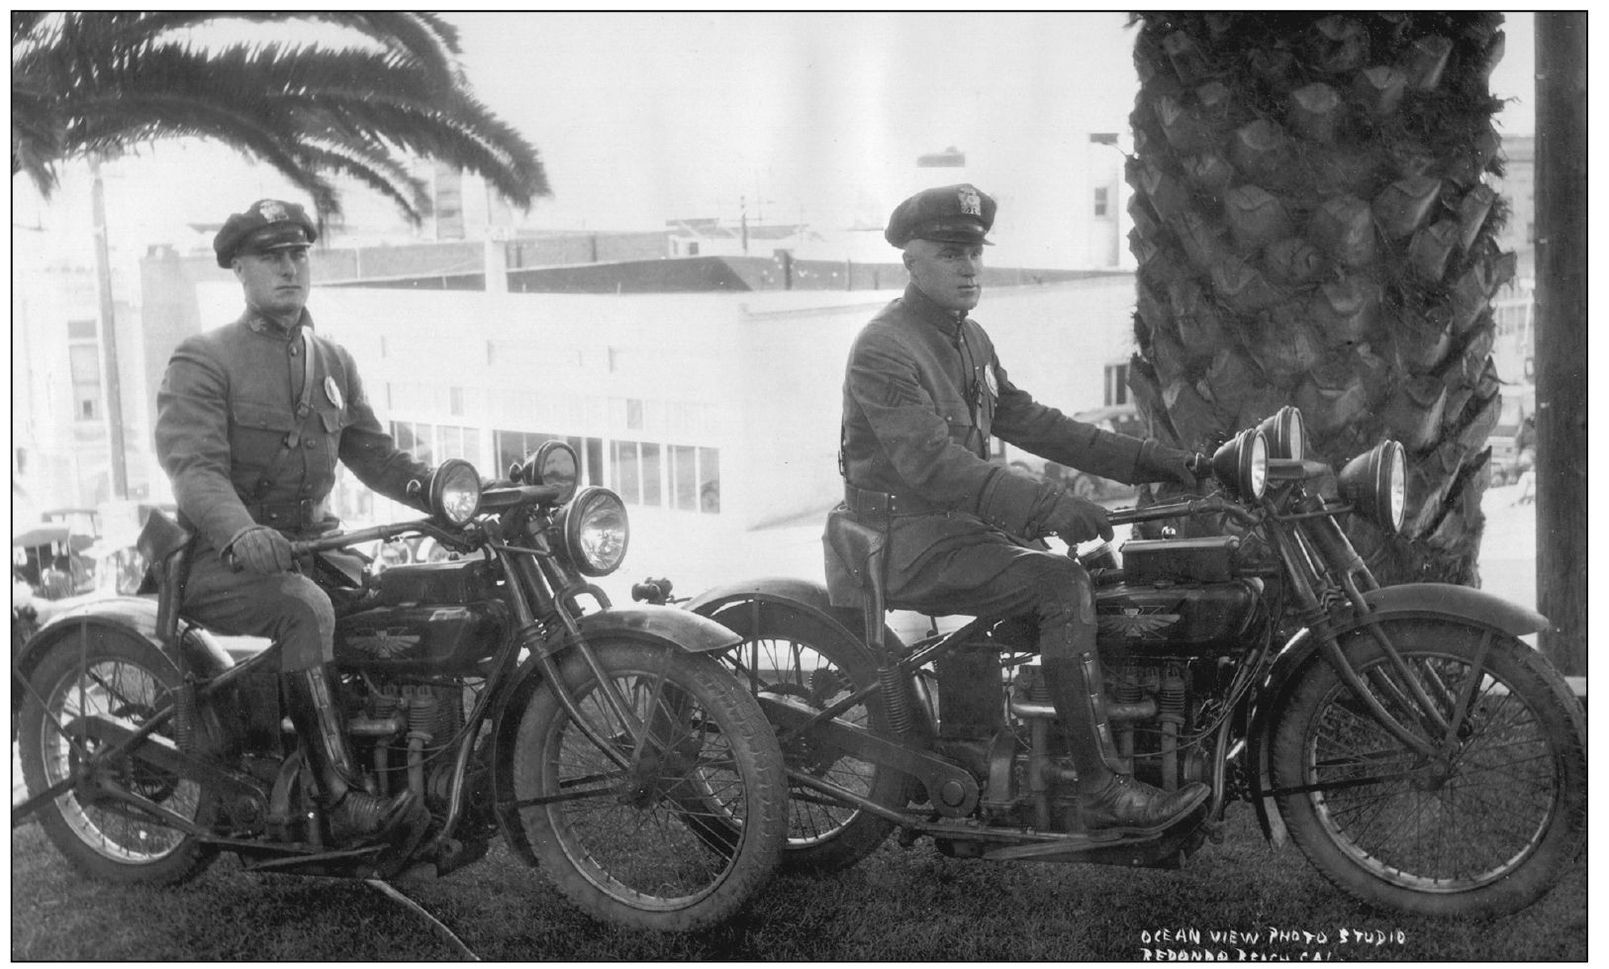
(1419, 752)
(606, 744)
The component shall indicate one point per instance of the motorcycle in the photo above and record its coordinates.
(1420, 754)
(606, 744)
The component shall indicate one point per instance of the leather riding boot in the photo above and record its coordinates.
(356, 817)
(1109, 796)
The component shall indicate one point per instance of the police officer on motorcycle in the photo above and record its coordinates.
(251, 419)
(923, 393)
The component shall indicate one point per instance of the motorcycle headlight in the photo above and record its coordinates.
(596, 531)
(1241, 464)
(553, 463)
(455, 491)
(1375, 483)
(1286, 433)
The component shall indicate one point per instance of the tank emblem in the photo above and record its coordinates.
(1138, 622)
(383, 644)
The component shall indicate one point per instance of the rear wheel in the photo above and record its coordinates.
(788, 652)
(100, 675)
(1485, 827)
(668, 819)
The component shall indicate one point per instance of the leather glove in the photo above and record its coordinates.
(1159, 463)
(1076, 520)
(260, 549)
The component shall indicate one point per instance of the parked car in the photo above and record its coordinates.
(1122, 418)
(1513, 440)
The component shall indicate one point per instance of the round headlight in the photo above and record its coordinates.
(1376, 484)
(596, 531)
(1286, 433)
(1241, 464)
(455, 491)
(553, 463)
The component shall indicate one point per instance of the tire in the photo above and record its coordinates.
(1083, 486)
(104, 672)
(670, 849)
(1493, 835)
(788, 652)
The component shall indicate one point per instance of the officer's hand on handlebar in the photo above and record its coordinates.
(1077, 520)
(1159, 463)
(260, 549)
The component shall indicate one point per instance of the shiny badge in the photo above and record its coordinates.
(332, 390)
(971, 202)
(990, 379)
(272, 212)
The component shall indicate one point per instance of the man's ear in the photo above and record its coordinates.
(905, 257)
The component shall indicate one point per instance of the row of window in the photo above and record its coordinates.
(646, 473)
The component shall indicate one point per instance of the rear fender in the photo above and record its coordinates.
(1419, 600)
(133, 616)
(803, 595)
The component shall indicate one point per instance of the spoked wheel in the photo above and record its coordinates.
(788, 653)
(1484, 826)
(668, 817)
(102, 676)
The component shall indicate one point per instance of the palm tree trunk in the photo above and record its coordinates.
(1312, 227)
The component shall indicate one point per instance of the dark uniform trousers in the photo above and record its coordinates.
(250, 434)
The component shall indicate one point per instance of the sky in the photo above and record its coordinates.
(814, 117)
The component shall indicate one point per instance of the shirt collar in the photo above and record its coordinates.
(258, 323)
(923, 308)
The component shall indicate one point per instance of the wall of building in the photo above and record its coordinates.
(751, 379)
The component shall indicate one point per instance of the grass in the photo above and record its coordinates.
(899, 905)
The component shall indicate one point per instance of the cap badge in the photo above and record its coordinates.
(971, 204)
(273, 212)
(332, 390)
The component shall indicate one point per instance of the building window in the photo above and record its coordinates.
(1117, 384)
(513, 447)
(84, 362)
(433, 443)
(1101, 202)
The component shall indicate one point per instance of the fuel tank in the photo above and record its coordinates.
(1177, 618)
(430, 618)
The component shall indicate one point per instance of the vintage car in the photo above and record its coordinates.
(1513, 440)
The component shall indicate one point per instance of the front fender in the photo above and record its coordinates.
(1456, 603)
(691, 632)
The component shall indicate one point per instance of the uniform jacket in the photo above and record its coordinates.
(227, 409)
(923, 393)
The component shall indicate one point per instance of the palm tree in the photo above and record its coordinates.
(1312, 227)
(95, 84)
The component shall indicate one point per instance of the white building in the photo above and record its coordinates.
(712, 414)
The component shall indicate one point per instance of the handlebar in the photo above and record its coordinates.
(493, 499)
(1212, 504)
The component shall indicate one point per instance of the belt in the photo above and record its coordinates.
(866, 503)
(289, 515)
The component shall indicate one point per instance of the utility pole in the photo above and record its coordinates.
(1561, 337)
(110, 378)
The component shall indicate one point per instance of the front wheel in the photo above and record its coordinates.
(664, 812)
(99, 674)
(1486, 825)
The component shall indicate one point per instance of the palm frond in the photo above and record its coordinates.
(101, 83)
